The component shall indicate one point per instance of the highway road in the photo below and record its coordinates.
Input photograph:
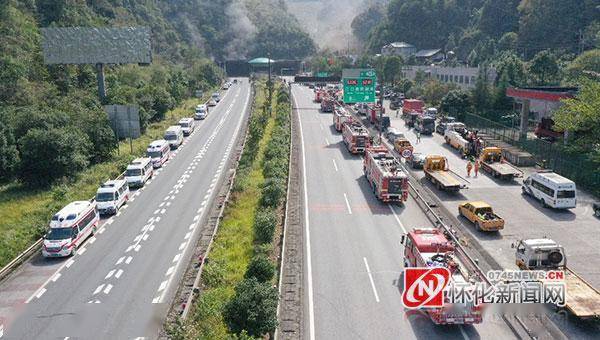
(576, 229)
(353, 253)
(122, 281)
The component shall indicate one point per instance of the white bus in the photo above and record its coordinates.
(174, 135)
(552, 190)
(111, 196)
(159, 152)
(139, 172)
(69, 228)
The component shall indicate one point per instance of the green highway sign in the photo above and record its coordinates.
(359, 85)
(322, 74)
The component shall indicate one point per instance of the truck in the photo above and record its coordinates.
(340, 116)
(356, 137)
(327, 104)
(425, 124)
(403, 147)
(410, 118)
(432, 247)
(455, 140)
(374, 117)
(492, 162)
(412, 105)
(582, 299)
(319, 93)
(545, 129)
(384, 173)
(437, 171)
(481, 215)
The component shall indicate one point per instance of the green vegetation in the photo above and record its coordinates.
(238, 298)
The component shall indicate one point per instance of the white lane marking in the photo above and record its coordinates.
(99, 289)
(192, 226)
(137, 248)
(182, 245)
(145, 237)
(119, 273)
(335, 165)
(163, 211)
(321, 126)
(118, 213)
(156, 211)
(129, 249)
(156, 299)
(110, 274)
(326, 142)
(120, 260)
(196, 218)
(92, 240)
(40, 293)
(371, 278)
(108, 288)
(170, 270)
(56, 277)
(110, 221)
(397, 219)
(187, 235)
(101, 230)
(81, 251)
(168, 204)
(347, 204)
(1, 331)
(163, 285)
(176, 257)
(128, 261)
(69, 263)
(463, 332)
(311, 312)
(161, 205)
(151, 227)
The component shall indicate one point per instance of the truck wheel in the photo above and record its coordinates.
(74, 250)
(597, 212)
(544, 203)
(523, 191)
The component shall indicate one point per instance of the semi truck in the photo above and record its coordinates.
(491, 162)
(340, 116)
(437, 171)
(425, 124)
(327, 104)
(385, 175)
(356, 137)
(434, 248)
(582, 299)
(412, 105)
(374, 117)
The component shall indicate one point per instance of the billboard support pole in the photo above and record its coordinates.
(130, 133)
(101, 82)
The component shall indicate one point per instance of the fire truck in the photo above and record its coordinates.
(319, 93)
(383, 172)
(374, 113)
(356, 137)
(327, 104)
(431, 248)
(340, 116)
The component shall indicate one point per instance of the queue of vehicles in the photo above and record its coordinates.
(78, 220)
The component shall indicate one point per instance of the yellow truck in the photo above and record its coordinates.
(437, 170)
(491, 162)
(482, 215)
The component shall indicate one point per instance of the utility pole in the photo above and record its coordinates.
(270, 85)
(380, 109)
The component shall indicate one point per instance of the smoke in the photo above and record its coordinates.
(242, 28)
(328, 21)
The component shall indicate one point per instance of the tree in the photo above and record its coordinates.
(260, 268)
(253, 308)
(265, 223)
(544, 68)
(48, 155)
(499, 17)
(455, 102)
(9, 157)
(510, 66)
(391, 68)
(481, 93)
(587, 64)
(582, 114)
(363, 23)
(434, 91)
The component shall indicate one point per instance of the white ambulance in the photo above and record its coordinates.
(139, 172)
(159, 151)
(111, 196)
(69, 228)
(551, 189)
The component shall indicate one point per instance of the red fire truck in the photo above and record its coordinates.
(412, 105)
(319, 93)
(340, 116)
(383, 171)
(327, 104)
(356, 137)
(432, 247)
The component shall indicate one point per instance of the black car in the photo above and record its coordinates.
(416, 160)
(596, 207)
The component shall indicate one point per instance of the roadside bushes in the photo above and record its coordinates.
(260, 268)
(265, 223)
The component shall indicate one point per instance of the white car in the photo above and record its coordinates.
(226, 86)
(111, 196)
(212, 102)
(216, 97)
(201, 112)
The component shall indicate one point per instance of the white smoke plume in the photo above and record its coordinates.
(242, 28)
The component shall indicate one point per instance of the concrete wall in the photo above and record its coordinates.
(464, 77)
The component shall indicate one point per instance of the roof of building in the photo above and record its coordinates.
(400, 44)
(427, 53)
(261, 61)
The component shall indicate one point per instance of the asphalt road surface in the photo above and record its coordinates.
(353, 251)
(122, 281)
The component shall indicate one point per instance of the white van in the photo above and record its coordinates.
(111, 196)
(187, 125)
(69, 228)
(159, 151)
(216, 97)
(139, 171)
(201, 112)
(551, 189)
(174, 135)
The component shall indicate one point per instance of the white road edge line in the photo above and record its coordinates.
(335, 165)
(311, 311)
(397, 219)
(348, 204)
(371, 279)
(463, 332)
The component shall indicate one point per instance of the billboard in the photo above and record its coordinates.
(97, 45)
(124, 120)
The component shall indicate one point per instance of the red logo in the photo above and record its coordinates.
(424, 287)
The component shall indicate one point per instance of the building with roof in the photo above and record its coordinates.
(464, 77)
(435, 55)
(402, 49)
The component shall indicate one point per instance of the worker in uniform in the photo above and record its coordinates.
(418, 137)
(469, 168)
(477, 167)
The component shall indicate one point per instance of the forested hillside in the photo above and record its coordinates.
(478, 30)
